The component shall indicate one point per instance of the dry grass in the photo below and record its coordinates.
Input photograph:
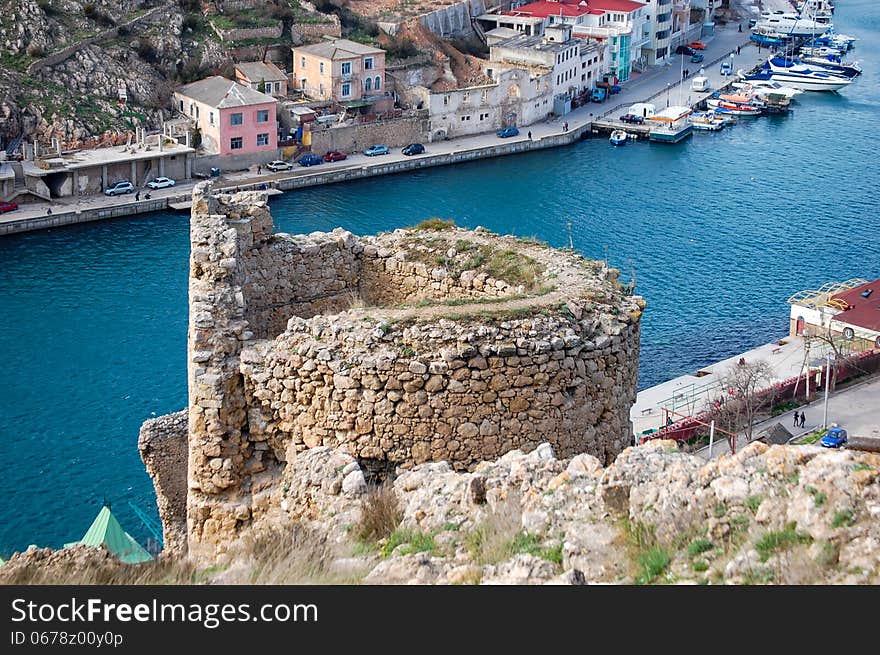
(380, 514)
(490, 541)
(434, 225)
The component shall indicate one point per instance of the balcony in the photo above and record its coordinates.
(347, 77)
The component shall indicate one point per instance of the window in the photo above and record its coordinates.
(211, 118)
(445, 100)
(262, 139)
(263, 116)
(236, 143)
(485, 96)
(346, 90)
(321, 68)
(465, 96)
(368, 84)
(236, 119)
(368, 63)
(277, 87)
(181, 106)
(378, 84)
(302, 62)
(346, 68)
(465, 118)
(302, 84)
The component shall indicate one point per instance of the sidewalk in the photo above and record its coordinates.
(856, 408)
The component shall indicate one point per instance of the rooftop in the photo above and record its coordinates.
(862, 306)
(537, 43)
(546, 8)
(256, 71)
(113, 155)
(624, 6)
(338, 49)
(221, 93)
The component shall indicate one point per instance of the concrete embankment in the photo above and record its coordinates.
(298, 181)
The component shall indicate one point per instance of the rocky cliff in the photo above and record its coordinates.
(767, 515)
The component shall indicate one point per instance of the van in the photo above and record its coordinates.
(700, 83)
(726, 68)
(599, 95)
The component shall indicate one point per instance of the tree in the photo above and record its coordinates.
(197, 138)
(261, 87)
(742, 398)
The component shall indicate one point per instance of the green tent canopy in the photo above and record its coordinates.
(107, 532)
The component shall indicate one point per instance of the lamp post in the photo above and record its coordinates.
(667, 93)
(731, 63)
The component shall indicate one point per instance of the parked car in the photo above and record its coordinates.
(278, 165)
(726, 68)
(684, 50)
(335, 155)
(8, 207)
(310, 159)
(377, 149)
(161, 183)
(616, 89)
(118, 188)
(413, 149)
(697, 45)
(599, 94)
(507, 131)
(835, 438)
(700, 83)
(752, 22)
(634, 119)
(697, 57)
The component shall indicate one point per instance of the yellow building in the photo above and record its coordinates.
(339, 70)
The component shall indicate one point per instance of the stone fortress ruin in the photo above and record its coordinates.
(424, 344)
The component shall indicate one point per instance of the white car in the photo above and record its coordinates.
(278, 165)
(161, 183)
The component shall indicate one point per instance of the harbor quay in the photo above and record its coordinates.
(662, 85)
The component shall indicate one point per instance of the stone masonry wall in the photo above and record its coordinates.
(355, 138)
(412, 346)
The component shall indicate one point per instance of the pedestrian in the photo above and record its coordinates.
(797, 417)
(48, 211)
(803, 418)
(137, 196)
(147, 197)
(259, 169)
(530, 135)
(738, 49)
(740, 27)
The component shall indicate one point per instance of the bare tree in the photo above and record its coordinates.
(741, 396)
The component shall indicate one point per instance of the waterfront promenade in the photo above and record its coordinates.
(661, 85)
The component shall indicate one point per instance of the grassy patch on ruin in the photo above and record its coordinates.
(819, 497)
(759, 575)
(532, 545)
(413, 541)
(776, 541)
(653, 562)
(380, 514)
(698, 546)
(701, 565)
(651, 559)
(813, 437)
(843, 519)
(754, 502)
(861, 466)
(433, 225)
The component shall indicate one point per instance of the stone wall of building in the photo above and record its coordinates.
(163, 446)
(393, 133)
(413, 346)
(313, 31)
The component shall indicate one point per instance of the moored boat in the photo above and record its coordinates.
(835, 65)
(618, 138)
(708, 120)
(799, 76)
(735, 109)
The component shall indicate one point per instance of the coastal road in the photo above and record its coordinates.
(640, 88)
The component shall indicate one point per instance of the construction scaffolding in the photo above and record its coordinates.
(824, 295)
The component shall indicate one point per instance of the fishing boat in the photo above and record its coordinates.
(767, 37)
(821, 51)
(618, 138)
(707, 120)
(764, 86)
(733, 108)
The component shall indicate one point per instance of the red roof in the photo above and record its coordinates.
(863, 312)
(547, 8)
(625, 6)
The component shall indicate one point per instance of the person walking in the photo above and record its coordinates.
(797, 417)
(259, 169)
(738, 49)
(137, 195)
(530, 135)
(740, 27)
(803, 418)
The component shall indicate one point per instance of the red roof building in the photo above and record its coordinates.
(546, 8)
(862, 307)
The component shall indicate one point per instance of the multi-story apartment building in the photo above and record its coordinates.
(339, 70)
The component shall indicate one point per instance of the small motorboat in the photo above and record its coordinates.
(618, 138)
(735, 109)
(708, 120)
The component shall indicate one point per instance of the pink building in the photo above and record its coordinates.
(232, 119)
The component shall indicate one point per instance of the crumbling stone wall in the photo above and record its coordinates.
(406, 347)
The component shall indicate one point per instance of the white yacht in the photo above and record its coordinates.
(766, 86)
(798, 76)
(794, 24)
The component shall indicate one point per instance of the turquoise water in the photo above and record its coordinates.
(720, 231)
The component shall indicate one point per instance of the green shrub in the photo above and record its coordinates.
(701, 565)
(843, 519)
(775, 541)
(819, 497)
(416, 542)
(698, 546)
(753, 503)
(653, 563)
(434, 224)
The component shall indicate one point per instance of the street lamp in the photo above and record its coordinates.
(731, 63)
(667, 93)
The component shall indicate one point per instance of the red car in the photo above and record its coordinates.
(8, 207)
(697, 45)
(335, 155)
